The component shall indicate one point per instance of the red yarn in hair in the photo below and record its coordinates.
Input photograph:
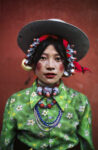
(65, 43)
(79, 68)
(44, 37)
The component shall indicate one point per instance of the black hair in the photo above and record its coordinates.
(58, 45)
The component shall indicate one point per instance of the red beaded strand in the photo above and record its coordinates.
(47, 106)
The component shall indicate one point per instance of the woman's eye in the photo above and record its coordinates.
(58, 58)
(43, 58)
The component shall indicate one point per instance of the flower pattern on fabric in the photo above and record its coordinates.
(27, 92)
(63, 87)
(86, 133)
(12, 100)
(76, 124)
(20, 125)
(19, 108)
(45, 112)
(50, 140)
(69, 101)
(66, 137)
(73, 95)
(33, 94)
(44, 146)
(50, 117)
(59, 125)
(69, 115)
(89, 120)
(30, 122)
(81, 108)
(70, 145)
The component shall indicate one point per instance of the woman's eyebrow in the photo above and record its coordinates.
(57, 54)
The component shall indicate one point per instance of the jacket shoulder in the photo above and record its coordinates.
(76, 96)
(21, 96)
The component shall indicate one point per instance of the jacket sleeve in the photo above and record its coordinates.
(85, 126)
(8, 130)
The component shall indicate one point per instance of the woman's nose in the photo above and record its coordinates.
(50, 65)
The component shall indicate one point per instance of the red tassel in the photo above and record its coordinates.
(86, 69)
(79, 68)
(44, 37)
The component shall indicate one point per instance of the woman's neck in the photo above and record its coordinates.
(41, 83)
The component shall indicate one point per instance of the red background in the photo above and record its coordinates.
(15, 14)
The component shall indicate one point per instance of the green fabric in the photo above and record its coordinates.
(74, 126)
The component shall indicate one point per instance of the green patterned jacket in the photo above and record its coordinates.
(73, 128)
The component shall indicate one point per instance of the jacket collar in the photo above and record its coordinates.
(60, 98)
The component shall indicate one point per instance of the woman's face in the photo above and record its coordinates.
(49, 68)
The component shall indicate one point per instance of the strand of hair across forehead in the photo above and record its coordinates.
(72, 64)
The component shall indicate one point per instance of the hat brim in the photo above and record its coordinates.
(62, 29)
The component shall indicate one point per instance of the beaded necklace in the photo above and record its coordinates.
(41, 105)
(45, 126)
(41, 126)
(49, 124)
(48, 92)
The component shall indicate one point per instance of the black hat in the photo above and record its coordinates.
(56, 27)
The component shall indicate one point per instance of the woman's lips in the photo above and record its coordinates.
(50, 75)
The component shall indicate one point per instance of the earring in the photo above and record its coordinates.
(24, 66)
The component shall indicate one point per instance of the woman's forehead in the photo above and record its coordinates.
(50, 50)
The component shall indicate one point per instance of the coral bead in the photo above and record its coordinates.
(41, 105)
(49, 105)
(39, 93)
(48, 94)
(54, 101)
(54, 93)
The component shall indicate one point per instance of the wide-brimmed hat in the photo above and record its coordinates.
(57, 27)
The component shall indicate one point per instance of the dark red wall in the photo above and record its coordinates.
(15, 14)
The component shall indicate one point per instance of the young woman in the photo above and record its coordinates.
(49, 115)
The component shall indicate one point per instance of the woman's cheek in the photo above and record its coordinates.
(61, 68)
(38, 66)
